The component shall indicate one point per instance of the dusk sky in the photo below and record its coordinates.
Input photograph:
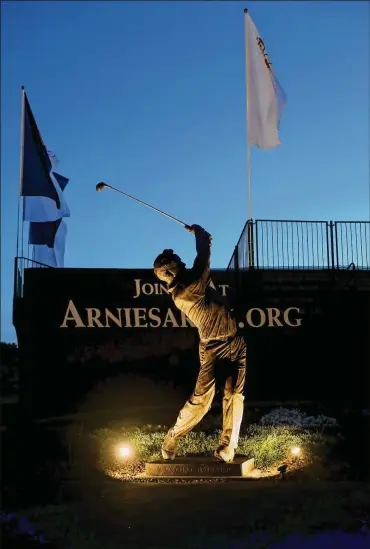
(150, 97)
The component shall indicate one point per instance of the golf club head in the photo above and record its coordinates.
(100, 187)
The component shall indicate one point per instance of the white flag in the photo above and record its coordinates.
(265, 97)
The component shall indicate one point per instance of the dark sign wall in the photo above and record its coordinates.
(307, 333)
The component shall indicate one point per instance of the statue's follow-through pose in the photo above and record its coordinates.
(222, 350)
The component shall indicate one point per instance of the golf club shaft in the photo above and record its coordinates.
(148, 205)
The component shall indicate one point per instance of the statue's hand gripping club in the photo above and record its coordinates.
(198, 229)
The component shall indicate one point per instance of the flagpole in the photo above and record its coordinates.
(21, 170)
(249, 187)
(247, 114)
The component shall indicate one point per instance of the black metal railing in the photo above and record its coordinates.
(269, 244)
(352, 244)
(22, 263)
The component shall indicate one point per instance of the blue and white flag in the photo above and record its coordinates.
(45, 254)
(53, 159)
(265, 97)
(42, 208)
(61, 180)
(43, 233)
(48, 238)
(42, 188)
(43, 198)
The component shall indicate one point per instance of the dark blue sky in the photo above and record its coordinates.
(150, 97)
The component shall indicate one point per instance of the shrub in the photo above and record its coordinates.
(284, 416)
(124, 400)
(269, 446)
(131, 398)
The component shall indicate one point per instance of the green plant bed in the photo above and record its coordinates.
(269, 446)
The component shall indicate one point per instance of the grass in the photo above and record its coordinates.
(269, 446)
(146, 516)
(201, 516)
(51, 526)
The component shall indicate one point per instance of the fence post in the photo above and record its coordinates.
(250, 245)
(15, 277)
(336, 244)
(17, 285)
(236, 258)
(331, 225)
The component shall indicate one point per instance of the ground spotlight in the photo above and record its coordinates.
(124, 451)
(296, 451)
(282, 470)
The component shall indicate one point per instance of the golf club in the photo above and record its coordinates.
(101, 186)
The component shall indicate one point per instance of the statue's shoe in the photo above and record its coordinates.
(225, 453)
(169, 446)
(168, 455)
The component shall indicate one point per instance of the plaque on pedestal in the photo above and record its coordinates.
(199, 467)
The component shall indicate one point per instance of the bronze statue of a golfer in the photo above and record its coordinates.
(222, 350)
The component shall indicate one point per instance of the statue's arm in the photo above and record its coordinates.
(203, 242)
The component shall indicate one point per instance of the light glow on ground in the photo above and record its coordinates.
(124, 451)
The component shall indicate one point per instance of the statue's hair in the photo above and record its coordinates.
(165, 262)
(163, 258)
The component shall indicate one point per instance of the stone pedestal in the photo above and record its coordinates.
(199, 468)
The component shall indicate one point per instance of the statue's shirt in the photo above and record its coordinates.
(193, 294)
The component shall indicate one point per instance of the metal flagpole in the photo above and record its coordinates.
(247, 112)
(247, 72)
(21, 171)
(17, 267)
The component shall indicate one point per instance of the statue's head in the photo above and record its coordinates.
(167, 266)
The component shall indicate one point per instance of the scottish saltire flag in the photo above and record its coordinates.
(44, 233)
(43, 199)
(60, 179)
(53, 158)
(49, 238)
(42, 188)
(265, 97)
(49, 242)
